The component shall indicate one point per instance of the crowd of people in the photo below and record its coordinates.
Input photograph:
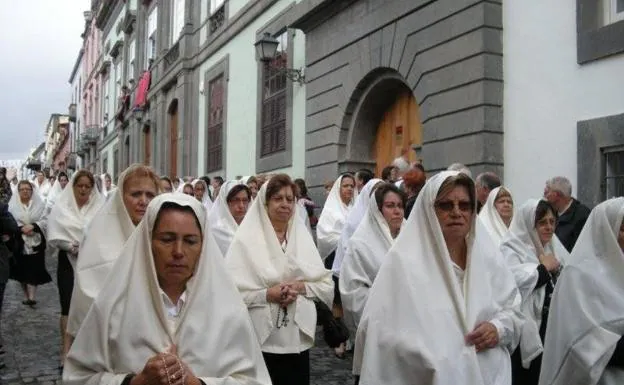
(428, 279)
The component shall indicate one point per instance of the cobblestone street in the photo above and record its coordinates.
(32, 341)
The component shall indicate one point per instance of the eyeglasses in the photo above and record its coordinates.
(25, 189)
(448, 206)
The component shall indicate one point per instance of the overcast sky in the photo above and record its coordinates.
(39, 44)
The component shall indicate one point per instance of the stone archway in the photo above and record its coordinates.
(382, 117)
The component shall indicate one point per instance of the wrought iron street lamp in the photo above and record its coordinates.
(266, 49)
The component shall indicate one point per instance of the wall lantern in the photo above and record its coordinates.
(266, 48)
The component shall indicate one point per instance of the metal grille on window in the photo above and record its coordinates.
(273, 130)
(215, 125)
(614, 173)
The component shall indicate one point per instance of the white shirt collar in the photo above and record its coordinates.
(173, 310)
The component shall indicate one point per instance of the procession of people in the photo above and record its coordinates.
(423, 278)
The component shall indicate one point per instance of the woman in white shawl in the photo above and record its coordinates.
(228, 212)
(497, 213)
(149, 324)
(279, 273)
(28, 209)
(107, 184)
(106, 235)
(200, 189)
(584, 343)
(534, 255)
(368, 247)
(72, 212)
(444, 307)
(42, 185)
(334, 215)
(57, 188)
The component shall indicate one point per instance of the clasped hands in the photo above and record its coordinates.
(165, 369)
(285, 293)
(483, 337)
(28, 229)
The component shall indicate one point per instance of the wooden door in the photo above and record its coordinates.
(399, 128)
(173, 142)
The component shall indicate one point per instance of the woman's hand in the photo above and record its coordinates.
(165, 369)
(27, 229)
(283, 294)
(483, 337)
(550, 262)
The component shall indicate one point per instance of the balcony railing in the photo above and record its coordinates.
(172, 55)
(91, 134)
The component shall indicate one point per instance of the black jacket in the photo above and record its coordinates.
(9, 227)
(570, 224)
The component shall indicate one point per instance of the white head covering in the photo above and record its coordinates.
(491, 219)
(587, 308)
(103, 240)
(220, 221)
(55, 191)
(67, 222)
(354, 218)
(206, 201)
(367, 250)
(44, 189)
(256, 261)
(332, 220)
(417, 314)
(219, 347)
(33, 214)
(521, 249)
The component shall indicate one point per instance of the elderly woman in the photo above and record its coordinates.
(534, 256)
(200, 191)
(279, 273)
(497, 213)
(368, 247)
(72, 212)
(228, 212)
(169, 272)
(106, 235)
(584, 343)
(444, 307)
(29, 269)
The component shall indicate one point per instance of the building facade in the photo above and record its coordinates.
(563, 97)
(58, 143)
(74, 162)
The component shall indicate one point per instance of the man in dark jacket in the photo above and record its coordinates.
(572, 213)
(8, 228)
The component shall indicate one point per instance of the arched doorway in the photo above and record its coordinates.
(400, 129)
(173, 138)
(382, 118)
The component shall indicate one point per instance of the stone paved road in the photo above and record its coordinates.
(32, 342)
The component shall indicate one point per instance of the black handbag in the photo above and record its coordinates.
(335, 332)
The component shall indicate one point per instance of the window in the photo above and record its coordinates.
(613, 11)
(150, 46)
(215, 124)
(614, 173)
(177, 23)
(115, 162)
(131, 57)
(215, 4)
(105, 105)
(274, 81)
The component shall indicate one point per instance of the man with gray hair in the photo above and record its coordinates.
(485, 182)
(461, 168)
(572, 213)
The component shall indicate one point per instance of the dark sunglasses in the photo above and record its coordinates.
(448, 206)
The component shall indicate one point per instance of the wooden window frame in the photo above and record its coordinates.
(219, 166)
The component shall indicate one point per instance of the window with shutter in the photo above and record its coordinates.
(214, 132)
(273, 131)
(178, 20)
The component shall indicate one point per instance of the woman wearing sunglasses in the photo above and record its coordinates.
(444, 308)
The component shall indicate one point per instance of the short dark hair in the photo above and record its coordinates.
(83, 172)
(463, 180)
(176, 207)
(489, 180)
(364, 175)
(385, 173)
(219, 179)
(278, 182)
(385, 188)
(205, 179)
(236, 189)
(62, 174)
(543, 207)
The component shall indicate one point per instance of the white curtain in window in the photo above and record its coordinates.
(178, 19)
(215, 4)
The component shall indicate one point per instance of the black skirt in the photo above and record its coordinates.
(329, 262)
(288, 369)
(65, 281)
(30, 269)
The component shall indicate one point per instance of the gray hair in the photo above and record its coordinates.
(560, 184)
(488, 180)
(461, 168)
